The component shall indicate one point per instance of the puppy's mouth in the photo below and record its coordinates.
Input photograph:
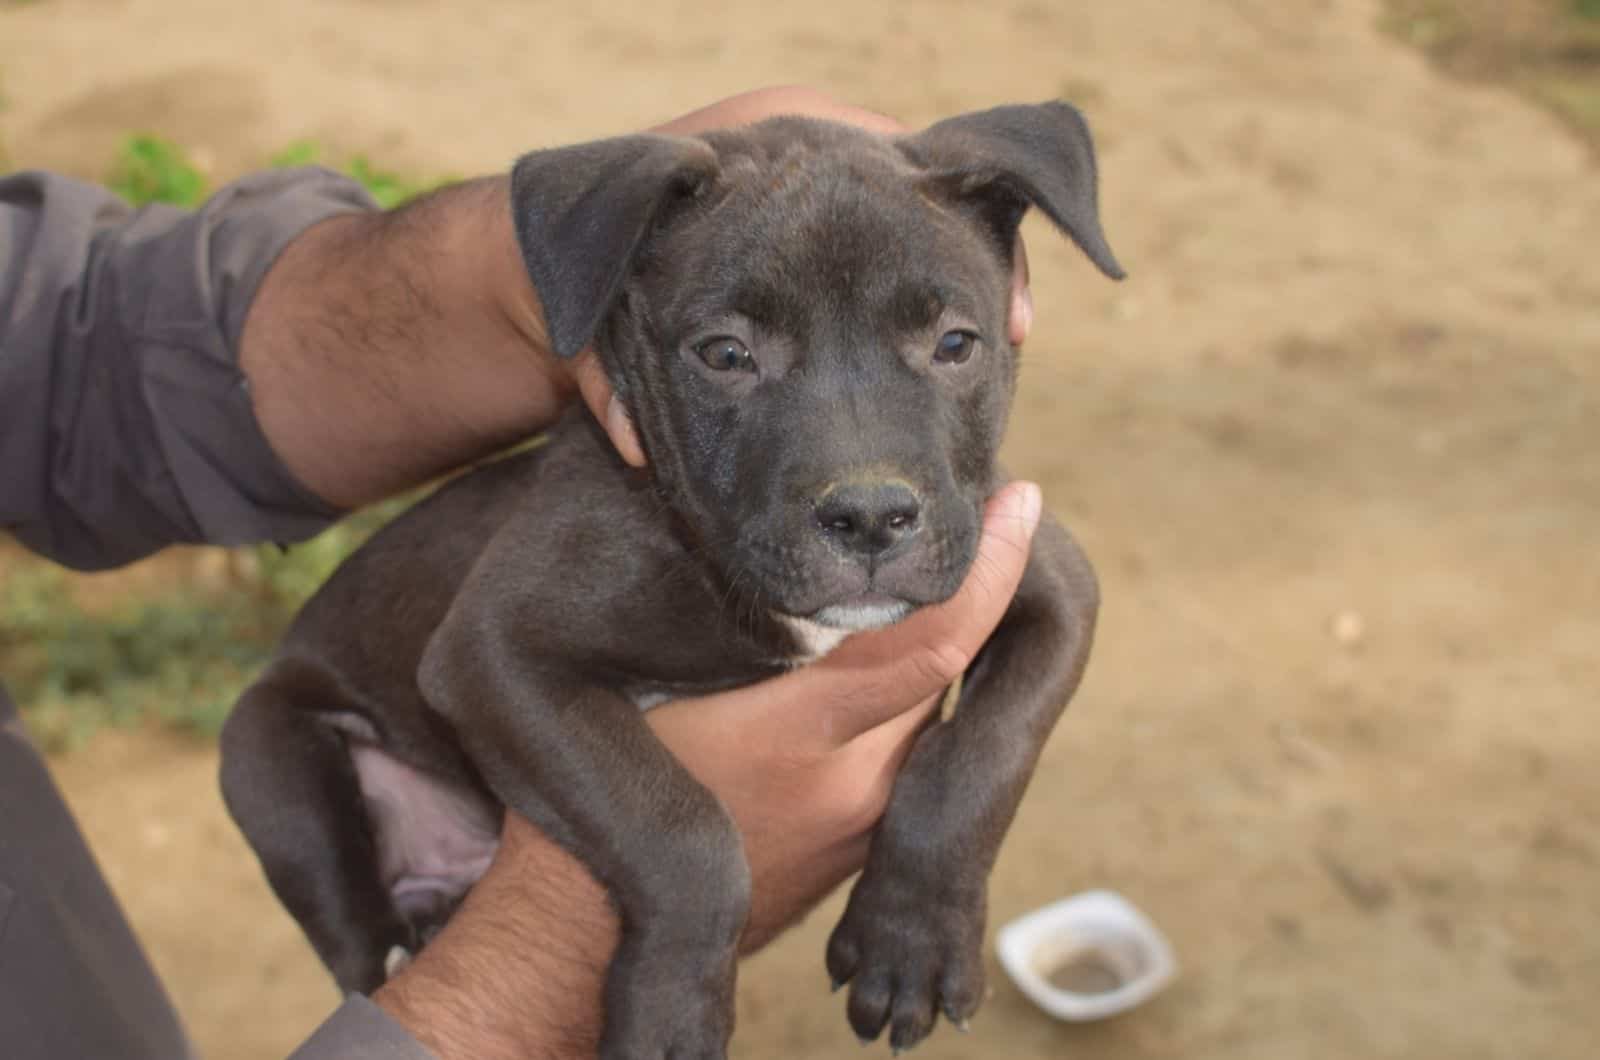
(863, 612)
(802, 578)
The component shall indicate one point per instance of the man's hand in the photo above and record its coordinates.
(804, 762)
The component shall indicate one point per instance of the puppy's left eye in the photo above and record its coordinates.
(955, 347)
(726, 354)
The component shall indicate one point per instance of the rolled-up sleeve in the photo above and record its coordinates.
(126, 423)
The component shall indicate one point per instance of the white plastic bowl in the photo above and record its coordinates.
(1086, 957)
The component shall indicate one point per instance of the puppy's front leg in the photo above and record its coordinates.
(580, 763)
(910, 942)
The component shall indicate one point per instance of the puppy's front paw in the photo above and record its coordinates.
(908, 953)
(659, 1009)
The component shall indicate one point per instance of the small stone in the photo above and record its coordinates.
(1348, 628)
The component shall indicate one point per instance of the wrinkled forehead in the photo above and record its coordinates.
(798, 228)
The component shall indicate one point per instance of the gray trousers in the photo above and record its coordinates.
(73, 980)
(74, 983)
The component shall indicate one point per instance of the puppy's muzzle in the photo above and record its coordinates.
(872, 521)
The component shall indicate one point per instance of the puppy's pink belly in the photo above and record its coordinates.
(434, 839)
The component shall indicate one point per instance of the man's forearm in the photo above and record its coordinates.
(519, 971)
(385, 349)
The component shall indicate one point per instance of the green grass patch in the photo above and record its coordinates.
(178, 654)
(152, 169)
(174, 656)
(149, 169)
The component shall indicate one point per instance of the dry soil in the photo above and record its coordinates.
(1335, 448)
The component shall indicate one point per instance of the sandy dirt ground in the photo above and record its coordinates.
(1335, 448)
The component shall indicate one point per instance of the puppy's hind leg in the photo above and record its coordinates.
(288, 781)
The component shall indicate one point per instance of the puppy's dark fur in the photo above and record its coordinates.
(808, 324)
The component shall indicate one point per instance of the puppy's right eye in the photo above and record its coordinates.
(955, 347)
(726, 354)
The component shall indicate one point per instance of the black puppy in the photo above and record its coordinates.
(808, 325)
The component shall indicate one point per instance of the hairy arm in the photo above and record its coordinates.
(386, 348)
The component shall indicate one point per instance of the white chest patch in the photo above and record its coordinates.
(816, 640)
(819, 638)
(648, 699)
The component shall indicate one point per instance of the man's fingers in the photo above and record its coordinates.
(593, 386)
(607, 408)
(1021, 318)
(874, 677)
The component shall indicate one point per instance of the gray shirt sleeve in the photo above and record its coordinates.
(360, 1030)
(125, 421)
(126, 425)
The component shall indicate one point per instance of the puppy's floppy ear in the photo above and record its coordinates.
(582, 212)
(1003, 160)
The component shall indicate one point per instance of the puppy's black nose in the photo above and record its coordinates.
(869, 518)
